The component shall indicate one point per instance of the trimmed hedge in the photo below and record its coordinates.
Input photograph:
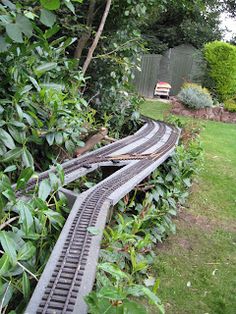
(221, 60)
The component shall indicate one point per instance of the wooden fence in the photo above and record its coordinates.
(179, 64)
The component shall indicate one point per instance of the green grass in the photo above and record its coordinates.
(197, 266)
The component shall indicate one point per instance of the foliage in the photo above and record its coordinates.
(41, 112)
(194, 96)
(28, 233)
(230, 105)
(144, 218)
(221, 59)
(180, 22)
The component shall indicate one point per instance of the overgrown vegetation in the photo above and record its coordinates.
(194, 96)
(141, 220)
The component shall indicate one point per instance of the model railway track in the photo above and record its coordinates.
(99, 155)
(70, 272)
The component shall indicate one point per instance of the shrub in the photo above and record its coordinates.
(194, 96)
(221, 60)
(230, 105)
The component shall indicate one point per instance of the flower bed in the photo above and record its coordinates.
(211, 113)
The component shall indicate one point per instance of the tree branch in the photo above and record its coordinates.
(97, 37)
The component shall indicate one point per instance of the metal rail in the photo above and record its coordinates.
(70, 272)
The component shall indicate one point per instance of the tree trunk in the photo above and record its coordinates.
(86, 35)
(97, 37)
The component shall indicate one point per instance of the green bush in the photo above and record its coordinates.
(230, 105)
(221, 61)
(195, 97)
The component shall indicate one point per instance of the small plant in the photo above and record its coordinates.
(195, 97)
(230, 105)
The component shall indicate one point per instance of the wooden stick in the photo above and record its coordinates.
(97, 37)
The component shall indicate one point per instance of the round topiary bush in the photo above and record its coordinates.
(194, 96)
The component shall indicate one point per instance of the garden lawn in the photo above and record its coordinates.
(197, 266)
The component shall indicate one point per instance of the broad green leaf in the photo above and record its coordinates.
(24, 177)
(26, 218)
(14, 32)
(26, 252)
(59, 138)
(10, 168)
(111, 293)
(18, 135)
(55, 218)
(93, 230)
(47, 66)
(3, 44)
(44, 189)
(50, 138)
(50, 4)
(26, 286)
(7, 139)
(6, 294)
(70, 6)
(12, 154)
(20, 112)
(27, 158)
(9, 245)
(24, 25)
(9, 194)
(47, 18)
(4, 264)
(113, 269)
(131, 307)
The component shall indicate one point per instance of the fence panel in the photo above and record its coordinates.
(179, 64)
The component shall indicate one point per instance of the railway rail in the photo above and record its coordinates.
(70, 272)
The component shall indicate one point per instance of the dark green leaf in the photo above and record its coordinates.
(52, 31)
(47, 18)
